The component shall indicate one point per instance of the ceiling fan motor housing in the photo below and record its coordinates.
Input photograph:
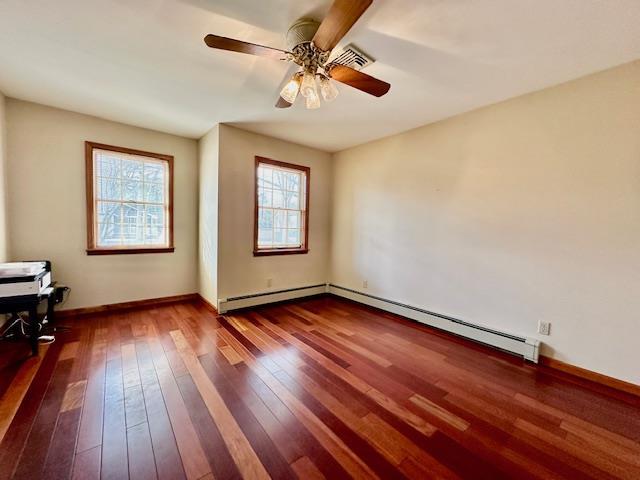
(302, 31)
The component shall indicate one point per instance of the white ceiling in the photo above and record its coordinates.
(143, 62)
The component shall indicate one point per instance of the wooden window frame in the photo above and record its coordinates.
(260, 252)
(92, 248)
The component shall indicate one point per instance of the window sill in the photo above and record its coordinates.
(128, 251)
(280, 251)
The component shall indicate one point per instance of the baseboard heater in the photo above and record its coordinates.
(526, 347)
(244, 301)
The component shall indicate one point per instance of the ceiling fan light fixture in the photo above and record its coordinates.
(310, 47)
(290, 90)
(313, 100)
(308, 86)
(328, 89)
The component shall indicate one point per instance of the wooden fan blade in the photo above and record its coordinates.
(359, 80)
(282, 103)
(341, 17)
(224, 43)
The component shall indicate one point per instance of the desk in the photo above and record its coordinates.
(29, 303)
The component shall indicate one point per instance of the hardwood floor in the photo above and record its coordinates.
(321, 388)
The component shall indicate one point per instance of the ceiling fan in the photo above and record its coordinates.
(309, 46)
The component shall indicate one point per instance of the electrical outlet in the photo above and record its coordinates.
(269, 282)
(544, 328)
(365, 284)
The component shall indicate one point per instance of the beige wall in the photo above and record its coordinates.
(4, 253)
(208, 216)
(523, 211)
(46, 175)
(239, 272)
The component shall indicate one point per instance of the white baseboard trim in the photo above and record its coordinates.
(527, 347)
(244, 301)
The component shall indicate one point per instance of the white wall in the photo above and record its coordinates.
(46, 202)
(239, 272)
(208, 216)
(523, 211)
(4, 253)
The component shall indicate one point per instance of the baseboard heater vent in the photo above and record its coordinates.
(244, 301)
(527, 347)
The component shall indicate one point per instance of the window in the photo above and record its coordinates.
(129, 201)
(281, 209)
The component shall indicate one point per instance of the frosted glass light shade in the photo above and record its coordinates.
(308, 84)
(328, 89)
(290, 90)
(313, 100)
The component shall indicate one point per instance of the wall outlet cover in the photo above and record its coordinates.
(544, 328)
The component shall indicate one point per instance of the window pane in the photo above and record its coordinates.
(133, 214)
(154, 172)
(279, 236)
(293, 182)
(133, 234)
(265, 218)
(265, 177)
(132, 170)
(280, 218)
(109, 212)
(154, 215)
(109, 234)
(265, 237)
(154, 192)
(293, 219)
(265, 197)
(107, 166)
(279, 179)
(132, 191)
(278, 199)
(293, 237)
(293, 201)
(155, 235)
(108, 189)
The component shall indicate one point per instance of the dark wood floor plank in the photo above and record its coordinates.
(141, 460)
(193, 457)
(262, 444)
(35, 451)
(316, 388)
(19, 429)
(239, 446)
(130, 373)
(215, 449)
(382, 436)
(306, 441)
(135, 412)
(18, 377)
(167, 458)
(86, 465)
(278, 433)
(90, 434)
(358, 382)
(61, 452)
(114, 440)
(382, 467)
(313, 343)
(354, 466)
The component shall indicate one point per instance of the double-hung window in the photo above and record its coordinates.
(281, 208)
(129, 200)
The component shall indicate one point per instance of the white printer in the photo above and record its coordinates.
(24, 279)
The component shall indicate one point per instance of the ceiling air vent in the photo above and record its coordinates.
(352, 57)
